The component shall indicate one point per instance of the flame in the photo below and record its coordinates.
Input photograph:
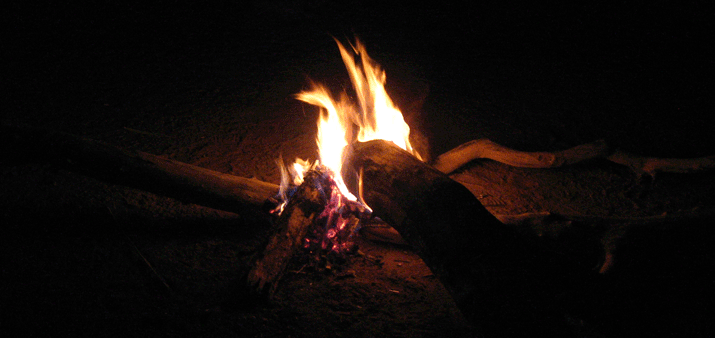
(342, 121)
(333, 128)
(379, 118)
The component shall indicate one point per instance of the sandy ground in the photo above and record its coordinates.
(86, 257)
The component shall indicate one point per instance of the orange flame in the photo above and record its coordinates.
(379, 118)
(375, 115)
(333, 127)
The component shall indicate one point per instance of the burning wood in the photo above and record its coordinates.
(440, 218)
(288, 234)
(318, 219)
(341, 122)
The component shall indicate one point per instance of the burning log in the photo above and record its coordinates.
(287, 234)
(317, 219)
(138, 169)
(446, 225)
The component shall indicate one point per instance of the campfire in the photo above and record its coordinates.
(372, 115)
(344, 121)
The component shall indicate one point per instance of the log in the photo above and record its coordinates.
(641, 165)
(484, 148)
(458, 239)
(137, 169)
(287, 235)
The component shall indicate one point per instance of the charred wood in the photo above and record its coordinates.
(472, 252)
(287, 235)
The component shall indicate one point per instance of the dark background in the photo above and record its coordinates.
(636, 73)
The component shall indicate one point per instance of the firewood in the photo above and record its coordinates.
(445, 224)
(484, 148)
(136, 169)
(643, 166)
(433, 213)
(287, 235)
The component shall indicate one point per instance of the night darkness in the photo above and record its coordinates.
(213, 85)
(627, 69)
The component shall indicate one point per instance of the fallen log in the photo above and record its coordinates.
(459, 240)
(484, 148)
(137, 169)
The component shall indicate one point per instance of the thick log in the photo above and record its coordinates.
(459, 240)
(137, 169)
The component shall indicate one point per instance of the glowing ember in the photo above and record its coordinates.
(339, 220)
(340, 123)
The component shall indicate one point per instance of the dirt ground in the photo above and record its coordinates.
(214, 88)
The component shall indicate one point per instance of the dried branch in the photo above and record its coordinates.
(486, 149)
